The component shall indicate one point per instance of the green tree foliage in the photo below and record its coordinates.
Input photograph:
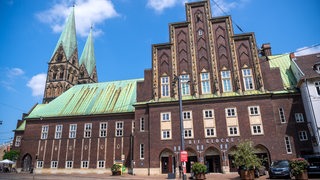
(245, 157)
(12, 155)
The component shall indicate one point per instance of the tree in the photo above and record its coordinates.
(245, 157)
(12, 155)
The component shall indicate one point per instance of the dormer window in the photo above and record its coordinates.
(316, 67)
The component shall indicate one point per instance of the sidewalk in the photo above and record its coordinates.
(13, 176)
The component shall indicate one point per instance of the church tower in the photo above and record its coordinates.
(88, 71)
(63, 66)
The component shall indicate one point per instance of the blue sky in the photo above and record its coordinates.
(124, 32)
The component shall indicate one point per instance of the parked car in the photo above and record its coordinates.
(280, 169)
(314, 165)
(260, 171)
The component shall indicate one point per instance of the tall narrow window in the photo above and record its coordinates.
(165, 116)
(141, 151)
(303, 136)
(44, 132)
(247, 79)
(87, 130)
(72, 131)
(226, 81)
(205, 83)
(288, 145)
(282, 116)
(185, 86)
(103, 129)
(165, 87)
(58, 133)
(119, 129)
(317, 85)
(18, 141)
(142, 124)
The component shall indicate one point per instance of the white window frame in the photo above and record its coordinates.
(18, 141)
(256, 129)
(248, 79)
(87, 130)
(101, 164)
(185, 86)
(165, 116)
(232, 129)
(188, 133)
(226, 81)
(142, 124)
(231, 112)
(187, 115)
(58, 133)
(303, 136)
(165, 86)
(287, 143)
(254, 110)
(69, 164)
(210, 132)
(119, 128)
(208, 114)
(141, 151)
(39, 164)
(205, 83)
(299, 117)
(72, 130)
(44, 131)
(165, 134)
(54, 164)
(103, 129)
(317, 86)
(84, 164)
(282, 116)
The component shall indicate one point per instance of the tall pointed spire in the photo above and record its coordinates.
(68, 37)
(87, 57)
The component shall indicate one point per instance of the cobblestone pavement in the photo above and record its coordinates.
(22, 176)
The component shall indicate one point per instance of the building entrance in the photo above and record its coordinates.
(213, 163)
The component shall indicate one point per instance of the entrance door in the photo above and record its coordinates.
(233, 168)
(213, 163)
(26, 163)
(188, 164)
(165, 165)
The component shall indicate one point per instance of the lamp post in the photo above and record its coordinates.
(183, 163)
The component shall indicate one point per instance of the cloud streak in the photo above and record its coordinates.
(11, 75)
(87, 13)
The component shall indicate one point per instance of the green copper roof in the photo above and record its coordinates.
(89, 99)
(283, 63)
(68, 37)
(22, 126)
(87, 58)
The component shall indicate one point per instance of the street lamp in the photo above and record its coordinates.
(183, 163)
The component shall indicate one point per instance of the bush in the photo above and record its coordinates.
(245, 157)
(116, 167)
(198, 168)
(298, 165)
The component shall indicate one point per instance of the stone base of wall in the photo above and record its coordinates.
(72, 171)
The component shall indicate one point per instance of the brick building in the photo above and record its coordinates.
(230, 93)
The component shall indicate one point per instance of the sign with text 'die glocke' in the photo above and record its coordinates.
(183, 156)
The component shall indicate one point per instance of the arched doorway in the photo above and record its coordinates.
(26, 162)
(263, 153)
(232, 167)
(167, 161)
(212, 160)
(192, 158)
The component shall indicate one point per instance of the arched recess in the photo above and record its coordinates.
(167, 161)
(26, 162)
(192, 157)
(212, 159)
(263, 153)
(232, 167)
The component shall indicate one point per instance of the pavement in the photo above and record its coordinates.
(22, 176)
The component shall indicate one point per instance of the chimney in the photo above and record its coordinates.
(266, 50)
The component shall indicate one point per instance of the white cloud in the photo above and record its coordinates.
(14, 72)
(87, 13)
(37, 84)
(307, 50)
(11, 76)
(160, 5)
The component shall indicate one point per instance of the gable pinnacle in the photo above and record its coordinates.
(87, 57)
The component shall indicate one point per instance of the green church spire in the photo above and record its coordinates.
(87, 57)
(68, 37)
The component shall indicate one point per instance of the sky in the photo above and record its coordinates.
(124, 31)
